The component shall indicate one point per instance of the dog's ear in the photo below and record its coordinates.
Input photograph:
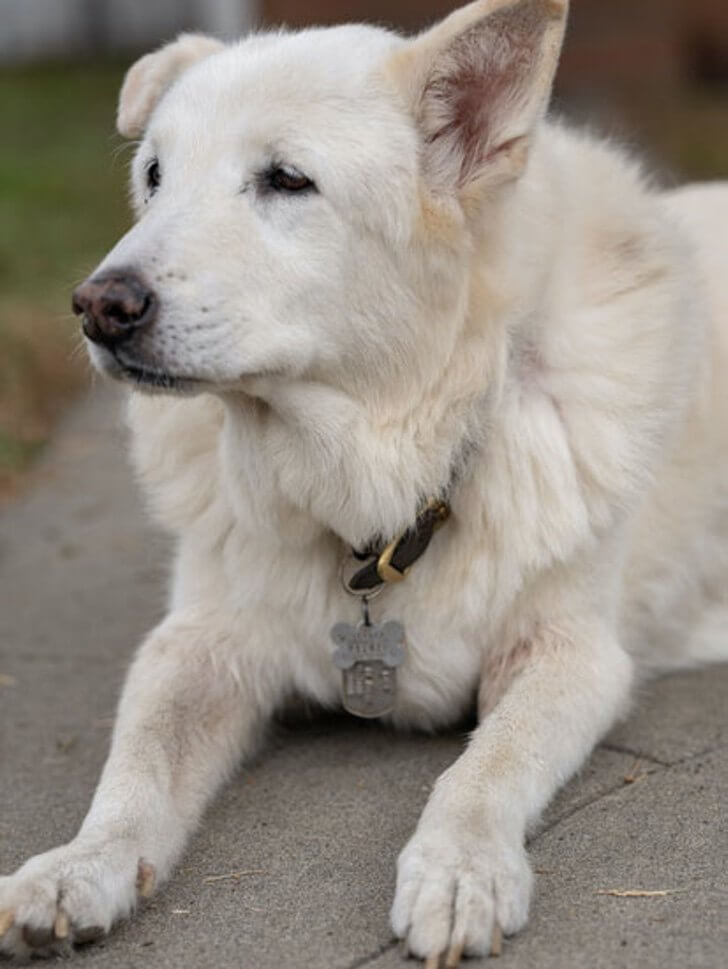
(148, 79)
(478, 82)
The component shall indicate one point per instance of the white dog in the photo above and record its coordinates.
(368, 275)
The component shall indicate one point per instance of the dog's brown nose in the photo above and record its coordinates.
(114, 305)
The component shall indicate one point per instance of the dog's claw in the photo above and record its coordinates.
(61, 927)
(454, 955)
(496, 941)
(146, 879)
(7, 920)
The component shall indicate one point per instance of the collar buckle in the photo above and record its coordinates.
(396, 559)
(429, 519)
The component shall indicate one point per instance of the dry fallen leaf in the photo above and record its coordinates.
(7, 680)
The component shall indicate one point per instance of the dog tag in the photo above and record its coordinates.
(368, 656)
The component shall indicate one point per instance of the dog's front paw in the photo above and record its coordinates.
(70, 895)
(457, 890)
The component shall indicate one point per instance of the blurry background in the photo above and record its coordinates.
(653, 73)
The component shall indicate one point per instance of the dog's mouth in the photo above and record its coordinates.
(155, 380)
(147, 378)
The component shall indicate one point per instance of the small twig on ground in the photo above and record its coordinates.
(66, 742)
(634, 773)
(232, 875)
(637, 892)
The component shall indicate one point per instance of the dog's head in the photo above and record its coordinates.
(308, 202)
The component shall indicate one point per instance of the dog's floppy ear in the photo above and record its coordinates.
(478, 82)
(148, 79)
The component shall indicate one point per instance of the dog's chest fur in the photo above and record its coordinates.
(271, 572)
(274, 573)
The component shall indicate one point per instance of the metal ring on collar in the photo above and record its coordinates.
(355, 566)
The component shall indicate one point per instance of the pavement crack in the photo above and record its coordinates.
(622, 785)
(365, 960)
(580, 806)
(698, 754)
(637, 754)
(650, 758)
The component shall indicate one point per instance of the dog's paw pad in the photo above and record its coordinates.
(91, 933)
(38, 937)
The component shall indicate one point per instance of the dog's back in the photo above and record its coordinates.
(676, 591)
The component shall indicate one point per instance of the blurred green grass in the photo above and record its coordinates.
(62, 191)
(62, 204)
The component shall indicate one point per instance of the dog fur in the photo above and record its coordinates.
(471, 288)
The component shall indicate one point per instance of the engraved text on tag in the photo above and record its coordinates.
(368, 656)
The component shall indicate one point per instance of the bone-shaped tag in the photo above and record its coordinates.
(368, 655)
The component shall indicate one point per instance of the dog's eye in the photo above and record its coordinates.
(286, 178)
(154, 175)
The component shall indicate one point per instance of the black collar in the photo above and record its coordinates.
(392, 561)
(388, 562)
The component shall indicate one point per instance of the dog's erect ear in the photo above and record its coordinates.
(478, 82)
(148, 79)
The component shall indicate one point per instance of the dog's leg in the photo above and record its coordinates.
(464, 874)
(186, 716)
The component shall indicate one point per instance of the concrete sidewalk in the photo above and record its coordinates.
(315, 826)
